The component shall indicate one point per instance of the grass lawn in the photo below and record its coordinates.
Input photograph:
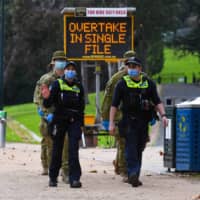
(187, 64)
(25, 114)
(11, 136)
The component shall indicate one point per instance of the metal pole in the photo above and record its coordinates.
(2, 113)
(109, 70)
(1, 53)
(84, 77)
(98, 72)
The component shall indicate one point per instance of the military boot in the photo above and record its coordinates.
(124, 177)
(45, 171)
(65, 176)
(116, 169)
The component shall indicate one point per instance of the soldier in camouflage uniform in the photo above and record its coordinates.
(119, 162)
(46, 115)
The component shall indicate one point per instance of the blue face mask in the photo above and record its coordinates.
(70, 74)
(133, 72)
(60, 64)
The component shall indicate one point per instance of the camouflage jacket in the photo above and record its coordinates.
(107, 99)
(47, 79)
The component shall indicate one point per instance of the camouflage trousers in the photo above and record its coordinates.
(120, 162)
(46, 149)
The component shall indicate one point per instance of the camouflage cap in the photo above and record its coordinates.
(129, 54)
(59, 55)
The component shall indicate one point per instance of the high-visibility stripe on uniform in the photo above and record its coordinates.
(65, 87)
(131, 84)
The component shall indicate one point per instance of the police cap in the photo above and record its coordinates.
(71, 63)
(133, 60)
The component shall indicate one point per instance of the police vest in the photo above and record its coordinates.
(69, 97)
(131, 84)
(136, 95)
(65, 87)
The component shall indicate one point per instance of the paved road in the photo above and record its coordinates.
(20, 170)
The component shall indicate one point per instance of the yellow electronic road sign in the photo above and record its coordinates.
(98, 38)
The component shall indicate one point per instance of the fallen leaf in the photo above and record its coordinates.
(148, 174)
(93, 171)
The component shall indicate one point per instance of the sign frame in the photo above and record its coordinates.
(103, 57)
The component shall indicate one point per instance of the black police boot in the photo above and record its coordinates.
(53, 183)
(140, 183)
(133, 180)
(76, 184)
(45, 171)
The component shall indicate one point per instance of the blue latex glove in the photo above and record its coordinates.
(152, 122)
(40, 112)
(49, 117)
(105, 124)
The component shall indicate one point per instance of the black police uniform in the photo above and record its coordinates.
(135, 100)
(68, 100)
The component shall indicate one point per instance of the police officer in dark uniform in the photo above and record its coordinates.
(137, 97)
(67, 96)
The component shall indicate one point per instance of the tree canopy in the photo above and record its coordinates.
(34, 29)
(188, 37)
